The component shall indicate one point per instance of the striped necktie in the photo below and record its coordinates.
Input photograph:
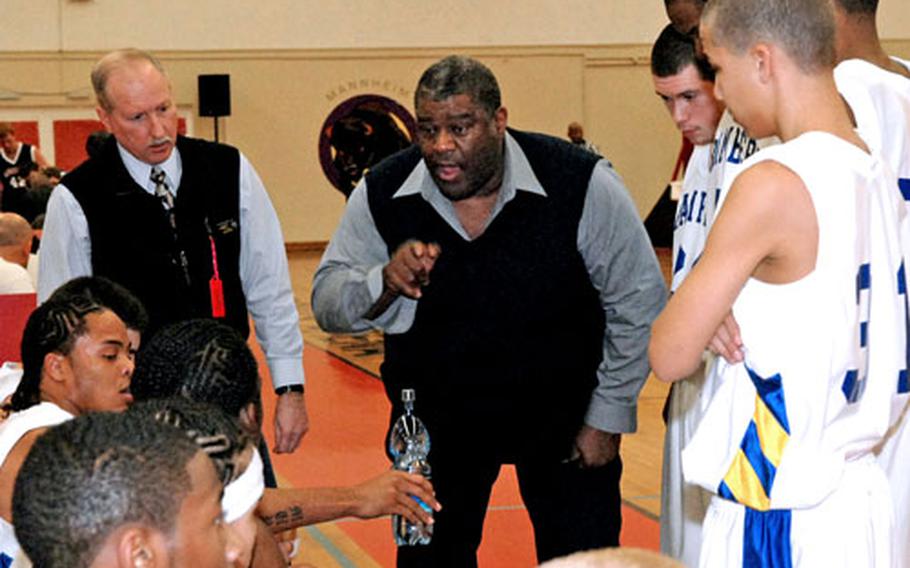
(167, 201)
(164, 194)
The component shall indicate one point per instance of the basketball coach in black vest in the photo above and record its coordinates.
(184, 224)
(516, 287)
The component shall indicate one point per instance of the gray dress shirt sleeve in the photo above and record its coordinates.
(348, 280)
(266, 281)
(66, 250)
(627, 276)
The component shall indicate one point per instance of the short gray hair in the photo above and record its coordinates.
(805, 29)
(459, 75)
(115, 60)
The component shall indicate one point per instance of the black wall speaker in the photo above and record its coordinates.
(214, 95)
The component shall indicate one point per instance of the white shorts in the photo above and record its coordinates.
(895, 460)
(683, 505)
(851, 528)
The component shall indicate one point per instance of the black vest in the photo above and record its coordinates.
(132, 240)
(508, 335)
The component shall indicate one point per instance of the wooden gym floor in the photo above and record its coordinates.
(348, 416)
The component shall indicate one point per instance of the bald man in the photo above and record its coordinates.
(15, 247)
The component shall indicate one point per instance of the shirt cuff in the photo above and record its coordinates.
(615, 419)
(286, 371)
(374, 282)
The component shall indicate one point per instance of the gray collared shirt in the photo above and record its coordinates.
(611, 239)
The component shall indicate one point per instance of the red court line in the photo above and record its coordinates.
(348, 415)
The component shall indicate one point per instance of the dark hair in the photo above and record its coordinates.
(201, 360)
(91, 475)
(459, 75)
(216, 433)
(804, 29)
(52, 171)
(674, 51)
(52, 327)
(95, 141)
(110, 295)
(868, 7)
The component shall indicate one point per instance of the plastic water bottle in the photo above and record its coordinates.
(409, 445)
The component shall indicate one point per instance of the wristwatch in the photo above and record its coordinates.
(289, 388)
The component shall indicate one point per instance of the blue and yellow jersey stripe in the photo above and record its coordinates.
(750, 478)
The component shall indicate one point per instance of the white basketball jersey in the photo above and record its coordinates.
(880, 100)
(11, 431)
(694, 213)
(709, 174)
(822, 354)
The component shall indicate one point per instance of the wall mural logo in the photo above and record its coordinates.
(358, 134)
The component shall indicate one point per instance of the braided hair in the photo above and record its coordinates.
(53, 327)
(110, 295)
(201, 360)
(216, 433)
(89, 476)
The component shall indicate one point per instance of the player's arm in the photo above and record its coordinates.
(388, 493)
(10, 470)
(767, 228)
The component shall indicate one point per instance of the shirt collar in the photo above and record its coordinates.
(141, 171)
(517, 176)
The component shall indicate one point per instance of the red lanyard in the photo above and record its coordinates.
(216, 290)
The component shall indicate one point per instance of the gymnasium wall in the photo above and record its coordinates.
(292, 62)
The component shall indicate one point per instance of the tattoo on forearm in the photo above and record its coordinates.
(290, 516)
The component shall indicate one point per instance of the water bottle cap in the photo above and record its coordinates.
(407, 395)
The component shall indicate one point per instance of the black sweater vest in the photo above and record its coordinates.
(508, 336)
(132, 240)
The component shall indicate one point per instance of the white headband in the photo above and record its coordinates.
(243, 493)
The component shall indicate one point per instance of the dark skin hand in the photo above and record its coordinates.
(595, 448)
(407, 272)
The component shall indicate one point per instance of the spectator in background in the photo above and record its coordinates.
(15, 249)
(53, 174)
(95, 141)
(16, 160)
(576, 135)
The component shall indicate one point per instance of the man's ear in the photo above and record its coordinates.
(56, 367)
(104, 117)
(26, 248)
(501, 119)
(249, 417)
(140, 547)
(762, 55)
